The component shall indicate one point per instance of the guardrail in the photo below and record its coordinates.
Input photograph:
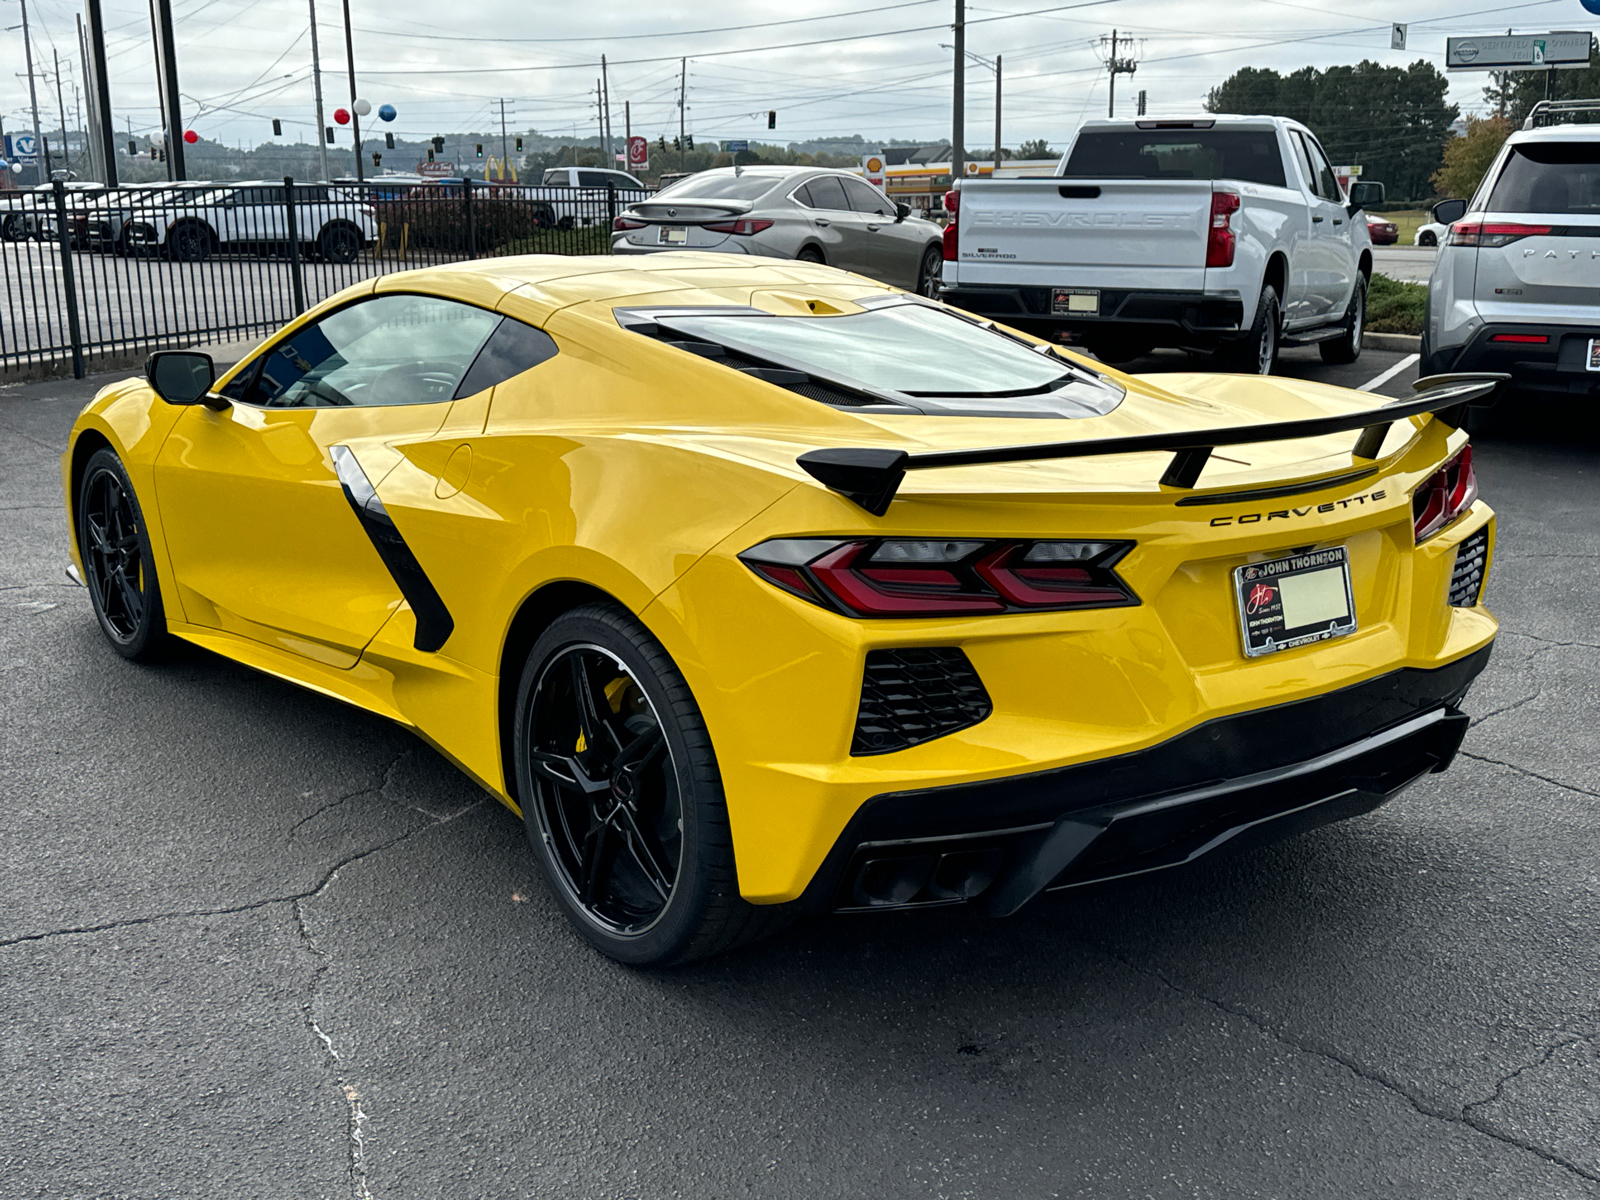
(91, 277)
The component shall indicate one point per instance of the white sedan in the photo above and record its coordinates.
(1431, 234)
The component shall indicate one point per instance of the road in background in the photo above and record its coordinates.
(1409, 264)
(257, 943)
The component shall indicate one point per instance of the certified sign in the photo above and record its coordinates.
(1518, 52)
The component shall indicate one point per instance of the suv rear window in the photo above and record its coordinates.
(1549, 177)
(1250, 155)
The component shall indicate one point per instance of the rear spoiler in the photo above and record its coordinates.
(870, 477)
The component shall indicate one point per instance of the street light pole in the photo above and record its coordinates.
(316, 82)
(355, 117)
(33, 97)
(997, 113)
(958, 134)
(102, 88)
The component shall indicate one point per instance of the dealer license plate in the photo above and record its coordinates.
(1292, 601)
(674, 235)
(1076, 302)
(1594, 354)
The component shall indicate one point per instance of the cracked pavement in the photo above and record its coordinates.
(255, 943)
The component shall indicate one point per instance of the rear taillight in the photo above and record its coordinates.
(952, 201)
(898, 577)
(1491, 233)
(622, 223)
(1444, 495)
(952, 240)
(1220, 238)
(744, 227)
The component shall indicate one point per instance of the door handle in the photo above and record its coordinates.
(874, 228)
(820, 221)
(1338, 220)
(1316, 220)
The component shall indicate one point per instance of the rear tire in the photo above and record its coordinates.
(1427, 238)
(190, 242)
(1257, 352)
(1116, 350)
(622, 798)
(809, 254)
(1347, 347)
(118, 565)
(928, 274)
(339, 244)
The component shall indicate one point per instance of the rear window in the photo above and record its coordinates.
(722, 187)
(1550, 177)
(1250, 155)
(556, 175)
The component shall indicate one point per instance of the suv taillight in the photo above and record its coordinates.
(1220, 238)
(1444, 495)
(899, 577)
(1491, 233)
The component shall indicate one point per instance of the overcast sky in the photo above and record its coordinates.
(873, 67)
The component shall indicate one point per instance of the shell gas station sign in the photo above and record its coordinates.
(872, 166)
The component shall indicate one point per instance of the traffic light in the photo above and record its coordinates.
(772, 119)
(688, 141)
(438, 144)
(327, 133)
(277, 127)
(377, 159)
(676, 145)
(133, 148)
(662, 142)
(1141, 102)
(480, 149)
(388, 141)
(519, 143)
(152, 154)
(430, 153)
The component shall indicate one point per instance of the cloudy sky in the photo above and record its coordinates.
(828, 67)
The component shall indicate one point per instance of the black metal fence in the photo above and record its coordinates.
(92, 275)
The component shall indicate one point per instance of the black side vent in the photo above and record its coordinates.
(831, 395)
(1466, 582)
(915, 695)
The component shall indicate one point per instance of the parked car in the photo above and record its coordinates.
(808, 213)
(32, 212)
(1218, 233)
(333, 223)
(126, 220)
(1430, 234)
(1513, 288)
(1382, 232)
(594, 190)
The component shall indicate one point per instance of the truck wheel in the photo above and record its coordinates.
(1257, 352)
(1116, 350)
(1346, 348)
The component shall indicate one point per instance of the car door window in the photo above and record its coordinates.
(388, 350)
(514, 347)
(1302, 157)
(865, 198)
(1327, 182)
(827, 192)
(593, 179)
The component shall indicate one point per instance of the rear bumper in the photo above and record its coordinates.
(1235, 781)
(1161, 317)
(1558, 365)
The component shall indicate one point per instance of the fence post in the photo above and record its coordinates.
(472, 230)
(68, 281)
(611, 207)
(292, 227)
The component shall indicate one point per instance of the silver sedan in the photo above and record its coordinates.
(805, 213)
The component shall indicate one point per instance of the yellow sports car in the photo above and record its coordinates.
(758, 587)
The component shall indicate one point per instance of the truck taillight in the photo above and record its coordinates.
(1220, 238)
(952, 241)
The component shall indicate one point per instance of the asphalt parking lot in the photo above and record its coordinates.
(254, 943)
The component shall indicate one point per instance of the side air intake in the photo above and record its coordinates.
(915, 695)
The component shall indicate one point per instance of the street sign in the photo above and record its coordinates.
(735, 147)
(1518, 52)
(20, 147)
(436, 169)
(872, 168)
(1397, 36)
(639, 153)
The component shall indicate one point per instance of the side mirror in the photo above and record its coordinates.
(1448, 212)
(901, 212)
(181, 376)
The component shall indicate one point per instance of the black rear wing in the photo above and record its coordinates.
(870, 477)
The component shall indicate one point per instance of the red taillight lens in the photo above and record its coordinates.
(944, 577)
(1522, 339)
(952, 201)
(624, 223)
(1220, 238)
(1444, 495)
(952, 241)
(1492, 233)
(744, 228)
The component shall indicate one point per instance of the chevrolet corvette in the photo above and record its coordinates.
(758, 588)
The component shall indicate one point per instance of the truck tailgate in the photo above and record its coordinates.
(1115, 233)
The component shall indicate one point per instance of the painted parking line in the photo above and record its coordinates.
(1377, 381)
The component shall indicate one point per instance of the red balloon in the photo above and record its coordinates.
(190, 136)
(342, 115)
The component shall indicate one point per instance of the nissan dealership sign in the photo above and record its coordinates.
(1518, 52)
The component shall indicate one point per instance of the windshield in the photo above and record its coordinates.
(1550, 178)
(1249, 155)
(722, 187)
(906, 348)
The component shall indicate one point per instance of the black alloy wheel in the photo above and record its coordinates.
(117, 560)
(13, 228)
(339, 244)
(1428, 238)
(621, 795)
(931, 271)
(189, 242)
(809, 254)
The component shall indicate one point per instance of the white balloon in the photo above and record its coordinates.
(16, 168)
(362, 108)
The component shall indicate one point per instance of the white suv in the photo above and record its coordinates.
(333, 223)
(1515, 285)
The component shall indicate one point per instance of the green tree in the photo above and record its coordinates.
(1514, 93)
(1035, 148)
(1467, 158)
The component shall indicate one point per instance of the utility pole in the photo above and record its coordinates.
(958, 132)
(683, 93)
(355, 117)
(996, 114)
(1117, 66)
(503, 149)
(61, 107)
(167, 75)
(40, 174)
(101, 92)
(605, 93)
(316, 81)
(600, 115)
(627, 133)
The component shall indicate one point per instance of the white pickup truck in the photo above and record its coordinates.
(1219, 233)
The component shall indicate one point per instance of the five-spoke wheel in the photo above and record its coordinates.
(116, 559)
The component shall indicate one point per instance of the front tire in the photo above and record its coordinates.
(1257, 352)
(119, 569)
(1346, 348)
(621, 795)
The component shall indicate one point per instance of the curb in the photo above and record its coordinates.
(1406, 343)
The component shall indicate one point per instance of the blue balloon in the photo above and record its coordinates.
(386, 112)
(1592, 6)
